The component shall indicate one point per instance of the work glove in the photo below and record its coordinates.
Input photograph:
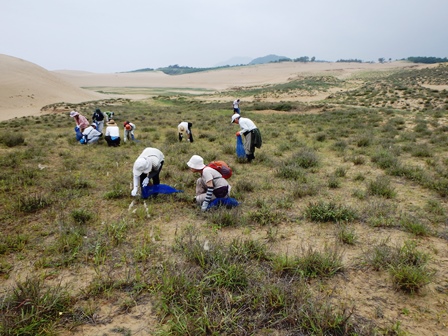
(204, 206)
(145, 182)
(134, 192)
(237, 133)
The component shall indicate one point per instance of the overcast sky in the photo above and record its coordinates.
(121, 35)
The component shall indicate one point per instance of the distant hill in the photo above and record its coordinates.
(235, 61)
(269, 59)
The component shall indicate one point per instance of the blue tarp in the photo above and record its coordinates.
(240, 152)
(158, 189)
(228, 202)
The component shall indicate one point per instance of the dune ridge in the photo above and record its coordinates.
(26, 87)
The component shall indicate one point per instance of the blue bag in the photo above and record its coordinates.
(240, 152)
(78, 133)
(158, 189)
(227, 202)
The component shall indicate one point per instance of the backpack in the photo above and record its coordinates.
(222, 167)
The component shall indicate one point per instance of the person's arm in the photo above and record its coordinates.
(208, 195)
(136, 182)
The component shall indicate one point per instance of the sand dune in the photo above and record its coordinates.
(26, 87)
(225, 78)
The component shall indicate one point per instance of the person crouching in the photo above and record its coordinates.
(112, 134)
(90, 135)
(210, 185)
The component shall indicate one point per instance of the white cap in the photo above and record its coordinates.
(196, 162)
(140, 165)
(235, 116)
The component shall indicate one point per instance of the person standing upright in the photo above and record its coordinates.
(236, 106)
(252, 135)
(98, 118)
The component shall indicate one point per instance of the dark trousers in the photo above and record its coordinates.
(112, 143)
(154, 176)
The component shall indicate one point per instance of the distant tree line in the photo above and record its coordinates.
(427, 60)
(180, 70)
(304, 59)
(354, 60)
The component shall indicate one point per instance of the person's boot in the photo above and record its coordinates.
(249, 157)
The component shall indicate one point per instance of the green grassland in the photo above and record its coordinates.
(341, 229)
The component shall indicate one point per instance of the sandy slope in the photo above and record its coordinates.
(224, 78)
(26, 87)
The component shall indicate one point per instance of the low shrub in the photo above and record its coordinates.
(329, 212)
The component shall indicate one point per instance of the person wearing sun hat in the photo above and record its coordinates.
(252, 135)
(81, 122)
(147, 167)
(210, 185)
(185, 128)
(112, 134)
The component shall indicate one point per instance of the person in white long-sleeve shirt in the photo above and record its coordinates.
(90, 135)
(252, 135)
(147, 167)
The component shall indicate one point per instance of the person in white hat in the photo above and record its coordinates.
(90, 135)
(112, 134)
(147, 166)
(252, 135)
(210, 185)
(185, 128)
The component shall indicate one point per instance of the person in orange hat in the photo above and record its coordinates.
(128, 131)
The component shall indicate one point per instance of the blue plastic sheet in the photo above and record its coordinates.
(158, 189)
(227, 202)
(240, 152)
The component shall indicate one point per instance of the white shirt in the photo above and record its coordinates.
(235, 103)
(91, 132)
(246, 125)
(183, 124)
(113, 131)
(154, 157)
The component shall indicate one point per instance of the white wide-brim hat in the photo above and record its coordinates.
(196, 162)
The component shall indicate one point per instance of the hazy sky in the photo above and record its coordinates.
(121, 35)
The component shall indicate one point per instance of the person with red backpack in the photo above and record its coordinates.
(212, 183)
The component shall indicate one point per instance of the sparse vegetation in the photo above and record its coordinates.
(347, 192)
